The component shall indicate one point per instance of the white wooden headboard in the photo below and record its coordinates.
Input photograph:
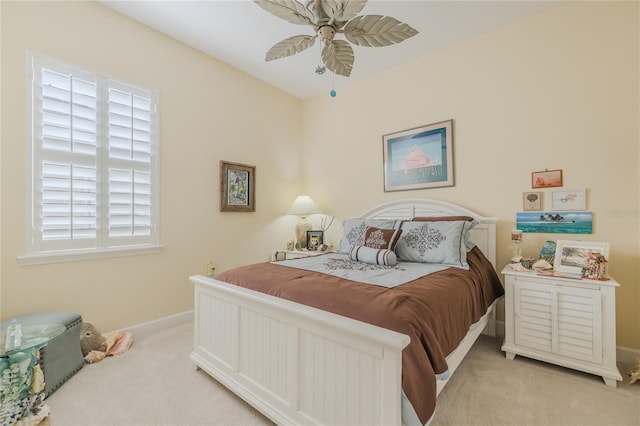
(483, 235)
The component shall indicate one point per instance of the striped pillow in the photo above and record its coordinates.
(373, 256)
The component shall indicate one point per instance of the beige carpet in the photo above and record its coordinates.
(488, 389)
(154, 383)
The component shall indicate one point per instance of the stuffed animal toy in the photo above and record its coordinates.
(95, 346)
(91, 339)
(635, 372)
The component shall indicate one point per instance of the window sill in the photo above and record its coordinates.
(80, 255)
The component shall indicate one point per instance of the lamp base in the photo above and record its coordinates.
(301, 233)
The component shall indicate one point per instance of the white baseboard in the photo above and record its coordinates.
(146, 328)
(500, 328)
(623, 355)
(627, 355)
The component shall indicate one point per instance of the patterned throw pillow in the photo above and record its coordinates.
(381, 238)
(353, 231)
(469, 223)
(441, 242)
(373, 256)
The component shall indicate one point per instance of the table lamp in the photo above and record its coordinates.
(303, 206)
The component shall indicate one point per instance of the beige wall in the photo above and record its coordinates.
(209, 112)
(558, 90)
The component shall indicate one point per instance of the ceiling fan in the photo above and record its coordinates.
(331, 17)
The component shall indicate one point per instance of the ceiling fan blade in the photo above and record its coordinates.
(338, 57)
(342, 10)
(377, 30)
(289, 10)
(316, 7)
(290, 46)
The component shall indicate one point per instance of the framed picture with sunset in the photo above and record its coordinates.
(419, 158)
(546, 179)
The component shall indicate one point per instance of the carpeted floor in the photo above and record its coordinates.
(154, 383)
(488, 389)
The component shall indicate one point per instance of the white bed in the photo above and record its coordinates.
(233, 324)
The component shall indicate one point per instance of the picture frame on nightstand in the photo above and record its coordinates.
(572, 256)
(314, 240)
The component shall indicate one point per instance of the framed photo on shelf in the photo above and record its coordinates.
(531, 201)
(314, 240)
(237, 187)
(418, 158)
(569, 199)
(546, 179)
(572, 256)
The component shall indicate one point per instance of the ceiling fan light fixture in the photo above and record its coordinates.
(331, 17)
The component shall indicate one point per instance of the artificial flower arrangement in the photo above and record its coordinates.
(596, 267)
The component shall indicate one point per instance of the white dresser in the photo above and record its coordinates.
(563, 321)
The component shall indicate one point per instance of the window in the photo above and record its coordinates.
(94, 169)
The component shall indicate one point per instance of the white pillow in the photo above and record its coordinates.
(373, 256)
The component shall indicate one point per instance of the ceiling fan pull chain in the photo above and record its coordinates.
(320, 69)
(333, 85)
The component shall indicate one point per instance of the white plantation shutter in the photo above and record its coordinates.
(66, 171)
(94, 172)
(130, 184)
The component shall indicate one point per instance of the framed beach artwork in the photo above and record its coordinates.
(569, 199)
(419, 158)
(546, 179)
(555, 222)
(572, 256)
(237, 187)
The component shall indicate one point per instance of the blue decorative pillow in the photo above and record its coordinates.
(373, 256)
(441, 242)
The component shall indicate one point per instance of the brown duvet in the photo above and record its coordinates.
(435, 311)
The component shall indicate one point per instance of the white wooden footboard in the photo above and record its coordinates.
(294, 363)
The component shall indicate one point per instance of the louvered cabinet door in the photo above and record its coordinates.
(533, 308)
(578, 323)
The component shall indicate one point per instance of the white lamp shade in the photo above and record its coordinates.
(303, 205)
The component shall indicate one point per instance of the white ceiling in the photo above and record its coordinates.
(240, 33)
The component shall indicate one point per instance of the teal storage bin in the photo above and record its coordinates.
(62, 357)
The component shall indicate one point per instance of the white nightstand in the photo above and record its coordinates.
(563, 321)
(277, 255)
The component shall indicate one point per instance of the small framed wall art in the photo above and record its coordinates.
(532, 201)
(546, 179)
(237, 187)
(569, 199)
(419, 158)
